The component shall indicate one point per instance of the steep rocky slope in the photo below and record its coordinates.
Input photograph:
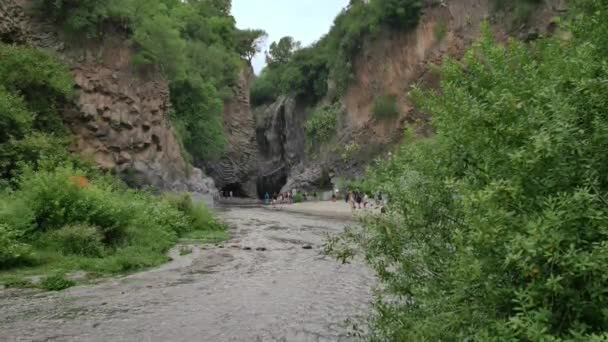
(120, 114)
(391, 65)
(236, 169)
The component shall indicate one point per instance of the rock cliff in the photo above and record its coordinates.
(390, 65)
(120, 114)
(281, 141)
(237, 167)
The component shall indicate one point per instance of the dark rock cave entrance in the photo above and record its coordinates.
(272, 184)
(236, 188)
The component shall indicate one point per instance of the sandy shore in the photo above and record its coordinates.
(338, 209)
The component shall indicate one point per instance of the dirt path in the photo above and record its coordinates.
(285, 293)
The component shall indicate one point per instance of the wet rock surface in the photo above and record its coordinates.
(285, 293)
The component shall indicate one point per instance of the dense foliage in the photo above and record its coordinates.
(496, 228)
(321, 125)
(57, 212)
(195, 43)
(305, 72)
(33, 87)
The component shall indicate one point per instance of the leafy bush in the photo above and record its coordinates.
(264, 89)
(11, 250)
(321, 125)
(57, 200)
(15, 119)
(16, 214)
(40, 80)
(78, 239)
(35, 150)
(496, 227)
(198, 215)
(298, 198)
(385, 107)
(56, 282)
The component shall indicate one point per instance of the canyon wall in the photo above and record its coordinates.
(391, 64)
(237, 167)
(120, 114)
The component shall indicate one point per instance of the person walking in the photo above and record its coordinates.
(267, 198)
(351, 200)
(358, 199)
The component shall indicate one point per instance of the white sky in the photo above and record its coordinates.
(305, 20)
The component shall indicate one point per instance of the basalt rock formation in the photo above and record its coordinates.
(120, 115)
(390, 64)
(281, 141)
(236, 169)
(12, 23)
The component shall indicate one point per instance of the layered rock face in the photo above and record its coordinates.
(236, 169)
(120, 115)
(281, 141)
(390, 65)
(120, 121)
(12, 23)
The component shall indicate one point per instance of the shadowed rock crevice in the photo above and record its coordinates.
(238, 163)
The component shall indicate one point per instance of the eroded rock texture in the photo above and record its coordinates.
(281, 141)
(237, 167)
(120, 114)
(389, 64)
(13, 28)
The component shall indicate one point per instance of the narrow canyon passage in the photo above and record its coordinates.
(233, 293)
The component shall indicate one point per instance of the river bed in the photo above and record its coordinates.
(263, 285)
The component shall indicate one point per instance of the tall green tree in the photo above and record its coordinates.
(280, 52)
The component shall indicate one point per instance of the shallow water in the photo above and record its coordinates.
(285, 293)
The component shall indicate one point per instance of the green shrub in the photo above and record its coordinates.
(40, 80)
(12, 251)
(321, 125)
(197, 214)
(80, 240)
(34, 150)
(57, 201)
(15, 119)
(16, 213)
(298, 198)
(203, 219)
(264, 89)
(385, 107)
(56, 282)
(496, 227)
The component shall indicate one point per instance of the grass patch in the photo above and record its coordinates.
(57, 227)
(16, 282)
(385, 107)
(207, 236)
(56, 282)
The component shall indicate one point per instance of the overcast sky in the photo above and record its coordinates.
(305, 20)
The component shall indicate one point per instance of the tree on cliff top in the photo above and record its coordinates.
(249, 42)
(280, 52)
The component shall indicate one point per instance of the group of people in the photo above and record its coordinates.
(359, 200)
(226, 194)
(285, 197)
